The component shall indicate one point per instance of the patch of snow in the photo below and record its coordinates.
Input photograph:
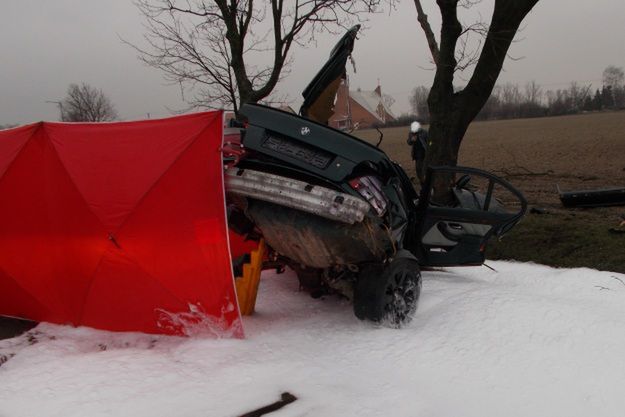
(526, 340)
(196, 322)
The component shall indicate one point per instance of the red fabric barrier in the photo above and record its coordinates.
(117, 226)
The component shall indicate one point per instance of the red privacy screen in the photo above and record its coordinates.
(118, 226)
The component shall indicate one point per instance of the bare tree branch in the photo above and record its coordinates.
(507, 17)
(427, 30)
(208, 46)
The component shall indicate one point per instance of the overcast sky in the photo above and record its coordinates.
(46, 45)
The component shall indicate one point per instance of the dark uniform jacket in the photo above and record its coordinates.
(418, 141)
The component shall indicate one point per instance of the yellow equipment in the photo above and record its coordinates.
(247, 285)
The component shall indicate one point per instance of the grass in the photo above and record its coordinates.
(569, 240)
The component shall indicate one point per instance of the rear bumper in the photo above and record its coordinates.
(299, 195)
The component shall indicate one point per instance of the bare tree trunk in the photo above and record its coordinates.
(451, 112)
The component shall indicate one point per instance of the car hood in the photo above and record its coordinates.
(319, 95)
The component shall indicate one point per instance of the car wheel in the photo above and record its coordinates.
(389, 294)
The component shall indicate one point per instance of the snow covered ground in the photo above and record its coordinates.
(524, 341)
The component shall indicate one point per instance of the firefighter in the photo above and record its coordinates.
(418, 139)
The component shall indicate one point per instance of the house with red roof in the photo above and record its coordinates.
(360, 109)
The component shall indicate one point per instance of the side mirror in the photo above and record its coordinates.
(414, 127)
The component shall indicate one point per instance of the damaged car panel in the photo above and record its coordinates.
(320, 94)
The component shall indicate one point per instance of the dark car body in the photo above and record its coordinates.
(345, 216)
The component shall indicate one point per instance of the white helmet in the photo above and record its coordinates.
(415, 127)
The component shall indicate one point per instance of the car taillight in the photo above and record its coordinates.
(371, 189)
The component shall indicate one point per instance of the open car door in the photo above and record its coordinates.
(456, 234)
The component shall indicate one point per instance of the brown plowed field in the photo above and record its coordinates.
(584, 151)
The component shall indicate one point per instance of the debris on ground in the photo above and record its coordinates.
(539, 210)
(603, 197)
(285, 399)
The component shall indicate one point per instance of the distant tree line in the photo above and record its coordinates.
(510, 101)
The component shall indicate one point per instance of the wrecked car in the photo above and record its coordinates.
(344, 216)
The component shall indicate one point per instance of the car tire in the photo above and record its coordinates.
(389, 294)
